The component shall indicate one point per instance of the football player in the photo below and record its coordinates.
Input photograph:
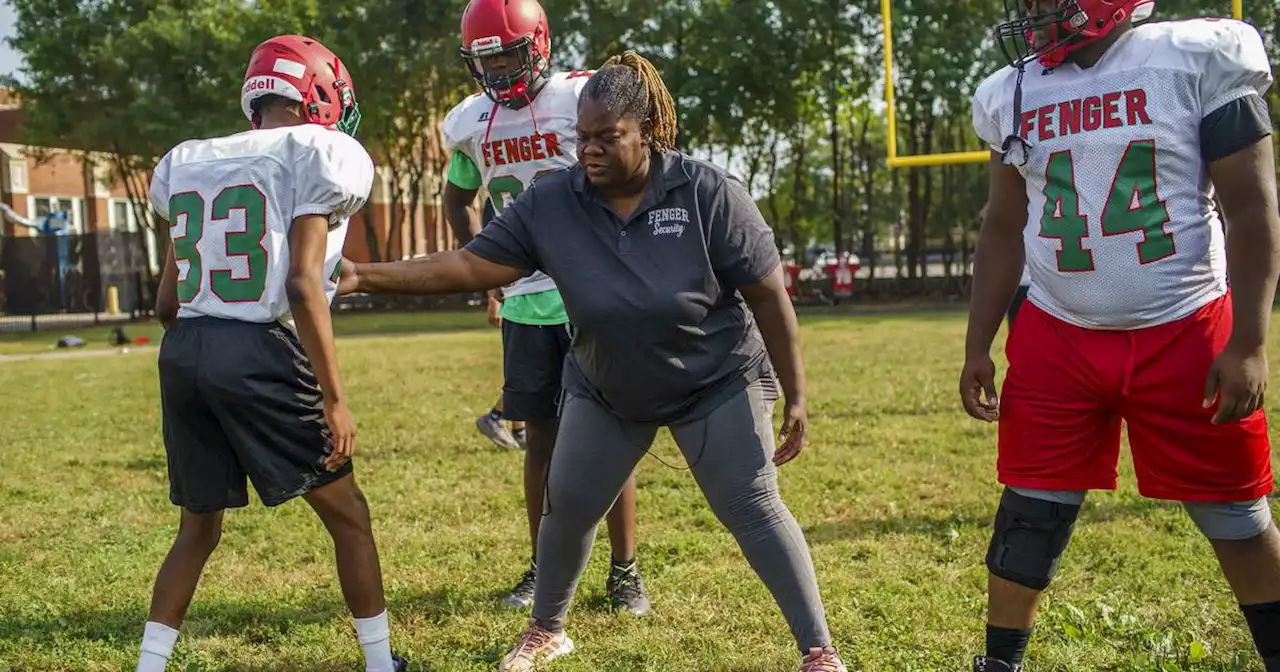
(490, 424)
(248, 375)
(1109, 143)
(521, 125)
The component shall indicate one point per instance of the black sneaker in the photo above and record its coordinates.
(521, 597)
(402, 665)
(984, 664)
(626, 590)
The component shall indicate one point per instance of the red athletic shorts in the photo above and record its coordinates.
(1068, 388)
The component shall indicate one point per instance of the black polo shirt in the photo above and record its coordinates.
(662, 334)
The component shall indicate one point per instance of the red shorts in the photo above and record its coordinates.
(1068, 388)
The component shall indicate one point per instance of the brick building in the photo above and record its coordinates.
(35, 182)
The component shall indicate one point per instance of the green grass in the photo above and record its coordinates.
(896, 493)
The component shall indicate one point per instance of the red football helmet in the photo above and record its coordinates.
(300, 68)
(1071, 25)
(492, 27)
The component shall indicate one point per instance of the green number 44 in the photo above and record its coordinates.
(1133, 205)
(187, 211)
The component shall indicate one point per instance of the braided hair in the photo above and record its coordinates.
(629, 84)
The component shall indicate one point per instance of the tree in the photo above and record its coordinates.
(85, 86)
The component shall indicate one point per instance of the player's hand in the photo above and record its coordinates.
(795, 420)
(1238, 382)
(343, 429)
(978, 389)
(348, 280)
(495, 319)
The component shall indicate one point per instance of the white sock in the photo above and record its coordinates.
(157, 645)
(375, 638)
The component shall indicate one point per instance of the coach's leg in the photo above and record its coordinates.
(595, 454)
(1247, 544)
(731, 455)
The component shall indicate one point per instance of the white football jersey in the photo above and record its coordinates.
(1122, 230)
(512, 147)
(230, 202)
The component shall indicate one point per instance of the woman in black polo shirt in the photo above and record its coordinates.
(674, 284)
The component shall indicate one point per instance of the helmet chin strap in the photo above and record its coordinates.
(1015, 140)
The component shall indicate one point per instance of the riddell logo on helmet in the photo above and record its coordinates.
(486, 44)
(262, 83)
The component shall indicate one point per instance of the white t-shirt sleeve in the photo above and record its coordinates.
(1235, 64)
(159, 190)
(333, 176)
(986, 118)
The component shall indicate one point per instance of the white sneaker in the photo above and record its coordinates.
(536, 647)
(822, 660)
(499, 435)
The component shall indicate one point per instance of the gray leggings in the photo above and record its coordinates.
(731, 454)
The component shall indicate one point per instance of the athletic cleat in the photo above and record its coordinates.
(521, 597)
(536, 647)
(401, 664)
(625, 588)
(522, 438)
(984, 664)
(499, 435)
(822, 660)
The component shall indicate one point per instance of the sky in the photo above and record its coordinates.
(9, 59)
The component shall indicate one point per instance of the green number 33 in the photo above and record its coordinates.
(1133, 205)
(187, 211)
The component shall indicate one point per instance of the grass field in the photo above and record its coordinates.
(895, 493)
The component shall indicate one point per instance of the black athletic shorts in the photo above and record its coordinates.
(532, 366)
(240, 399)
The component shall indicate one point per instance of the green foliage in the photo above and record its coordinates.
(787, 93)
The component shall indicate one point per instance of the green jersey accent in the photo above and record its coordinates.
(463, 172)
(539, 309)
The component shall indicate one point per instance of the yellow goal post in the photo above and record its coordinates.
(891, 116)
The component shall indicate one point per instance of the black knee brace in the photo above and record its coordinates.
(1029, 539)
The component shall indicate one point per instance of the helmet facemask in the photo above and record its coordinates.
(511, 89)
(1016, 36)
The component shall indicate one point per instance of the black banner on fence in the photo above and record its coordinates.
(71, 274)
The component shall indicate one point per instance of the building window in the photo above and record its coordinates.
(120, 217)
(43, 206)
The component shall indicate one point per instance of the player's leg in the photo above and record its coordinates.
(625, 586)
(1032, 529)
(731, 455)
(1222, 473)
(204, 479)
(1247, 545)
(490, 425)
(595, 454)
(1058, 438)
(267, 397)
(343, 509)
